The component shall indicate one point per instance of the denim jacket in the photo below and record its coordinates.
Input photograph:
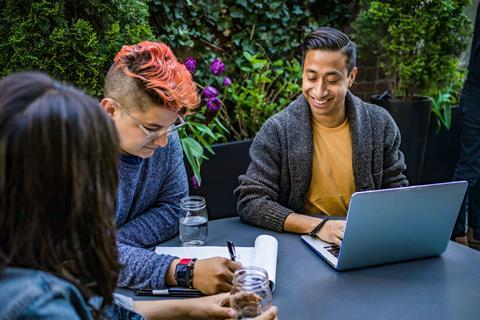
(34, 294)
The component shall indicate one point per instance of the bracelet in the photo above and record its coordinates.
(191, 265)
(319, 226)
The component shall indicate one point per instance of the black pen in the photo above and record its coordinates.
(171, 292)
(231, 250)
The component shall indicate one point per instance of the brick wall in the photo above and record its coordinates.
(370, 79)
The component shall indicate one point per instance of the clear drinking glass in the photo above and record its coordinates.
(250, 295)
(193, 221)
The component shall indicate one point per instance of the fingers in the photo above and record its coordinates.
(222, 299)
(337, 241)
(214, 275)
(270, 314)
(218, 312)
(337, 233)
(244, 300)
(332, 231)
(224, 286)
(221, 313)
(233, 265)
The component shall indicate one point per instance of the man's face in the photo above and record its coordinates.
(133, 139)
(325, 81)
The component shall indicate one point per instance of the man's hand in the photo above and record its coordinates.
(332, 231)
(214, 275)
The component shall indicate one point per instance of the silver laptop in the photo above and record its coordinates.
(393, 225)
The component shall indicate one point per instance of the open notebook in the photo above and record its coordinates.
(262, 254)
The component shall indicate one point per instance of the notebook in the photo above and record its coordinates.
(393, 225)
(263, 254)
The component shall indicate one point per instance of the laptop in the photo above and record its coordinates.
(393, 225)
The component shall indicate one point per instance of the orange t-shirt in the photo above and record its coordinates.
(332, 182)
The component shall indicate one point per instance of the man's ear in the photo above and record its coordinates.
(108, 106)
(351, 76)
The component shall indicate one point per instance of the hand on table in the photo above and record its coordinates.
(214, 275)
(211, 307)
(332, 231)
(218, 307)
(251, 302)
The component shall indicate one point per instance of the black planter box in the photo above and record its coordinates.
(220, 177)
(443, 149)
(413, 119)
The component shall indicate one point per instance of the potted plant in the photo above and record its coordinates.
(418, 44)
(233, 116)
(443, 147)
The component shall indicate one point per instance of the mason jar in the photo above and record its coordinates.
(250, 295)
(193, 221)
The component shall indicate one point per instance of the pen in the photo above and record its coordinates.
(231, 250)
(171, 292)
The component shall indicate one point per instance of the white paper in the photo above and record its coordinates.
(263, 254)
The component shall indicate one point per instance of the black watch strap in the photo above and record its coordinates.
(319, 226)
(184, 272)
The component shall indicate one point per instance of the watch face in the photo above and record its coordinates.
(181, 273)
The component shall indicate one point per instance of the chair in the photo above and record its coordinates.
(220, 177)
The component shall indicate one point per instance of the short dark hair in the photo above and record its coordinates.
(58, 179)
(327, 38)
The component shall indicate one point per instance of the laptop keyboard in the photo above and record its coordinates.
(333, 249)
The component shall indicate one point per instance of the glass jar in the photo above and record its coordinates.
(250, 295)
(193, 221)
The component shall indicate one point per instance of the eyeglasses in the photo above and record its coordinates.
(152, 134)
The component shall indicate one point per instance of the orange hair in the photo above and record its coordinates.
(164, 78)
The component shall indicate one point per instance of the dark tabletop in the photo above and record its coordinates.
(307, 287)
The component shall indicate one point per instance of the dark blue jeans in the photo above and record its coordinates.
(468, 166)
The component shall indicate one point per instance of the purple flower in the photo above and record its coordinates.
(217, 66)
(191, 64)
(194, 183)
(227, 82)
(210, 92)
(214, 104)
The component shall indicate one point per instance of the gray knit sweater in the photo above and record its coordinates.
(278, 178)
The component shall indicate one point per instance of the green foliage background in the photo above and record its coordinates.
(419, 42)
(259, 41)
(74, 41)
(229, 27)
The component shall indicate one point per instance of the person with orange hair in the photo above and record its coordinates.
(146, 92)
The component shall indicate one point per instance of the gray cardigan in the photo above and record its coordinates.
(278, 178)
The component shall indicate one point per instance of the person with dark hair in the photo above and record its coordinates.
(327, 144)
(58, 179)
(468, 166)
(146, 92)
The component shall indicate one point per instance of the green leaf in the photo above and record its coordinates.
(192, 147)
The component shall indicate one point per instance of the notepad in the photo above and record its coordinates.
(263, 254)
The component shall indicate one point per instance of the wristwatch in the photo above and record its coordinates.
(319, 226)
(184, 272)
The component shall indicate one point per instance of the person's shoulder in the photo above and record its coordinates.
(376, 113)
(23, 288)
(18, 278)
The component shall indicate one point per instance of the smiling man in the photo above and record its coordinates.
(146, 92)
(327, 144)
